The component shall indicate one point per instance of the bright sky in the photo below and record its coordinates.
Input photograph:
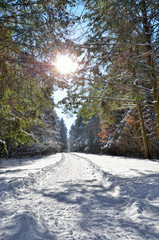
(59, 95)
(77, 34)
(65, 64)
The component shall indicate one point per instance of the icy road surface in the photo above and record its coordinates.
(79, 196)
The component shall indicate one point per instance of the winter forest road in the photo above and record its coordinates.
(73, 198)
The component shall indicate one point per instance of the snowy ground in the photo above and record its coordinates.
(79, 196)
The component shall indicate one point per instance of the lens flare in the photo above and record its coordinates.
(65, 64)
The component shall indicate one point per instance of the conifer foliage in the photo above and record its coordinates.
(63, 136)
(84, 135)
(119, 68)
(32, 33)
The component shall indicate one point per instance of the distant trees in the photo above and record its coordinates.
(84, 136)
(77, 136)
(46, 134)
(63, 136)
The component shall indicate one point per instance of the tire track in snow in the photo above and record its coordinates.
(68, 201)
(77, 205)
(136, 210)
(16, 201)
(107, 180)
(62, 196)
(105, 176)
(32, 177)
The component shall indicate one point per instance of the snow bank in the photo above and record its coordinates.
(22, 167)
(137, 182)
(124, 167)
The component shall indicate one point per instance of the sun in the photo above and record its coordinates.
(65, 64)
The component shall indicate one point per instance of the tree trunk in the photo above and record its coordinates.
(143, 132)
(150, 63)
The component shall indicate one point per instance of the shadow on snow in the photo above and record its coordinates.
(109, 209)
(132, 209)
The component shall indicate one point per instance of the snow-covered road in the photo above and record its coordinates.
(79, 196)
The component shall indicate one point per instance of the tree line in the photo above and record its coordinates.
(32, 33)
(117, 78)
(119, 69)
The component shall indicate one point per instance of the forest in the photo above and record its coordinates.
(114, 91)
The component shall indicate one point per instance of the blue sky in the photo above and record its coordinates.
(59, 95)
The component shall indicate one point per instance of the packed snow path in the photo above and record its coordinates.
(79, 196)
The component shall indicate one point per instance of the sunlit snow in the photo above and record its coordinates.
(79, 196)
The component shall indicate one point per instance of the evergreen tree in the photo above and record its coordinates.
(124, 39)
(32, 32)
(78, 140)
(84, 135)
(120, 57)
(63, 136)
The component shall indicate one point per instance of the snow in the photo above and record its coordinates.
(123, 167)
(79, 196)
